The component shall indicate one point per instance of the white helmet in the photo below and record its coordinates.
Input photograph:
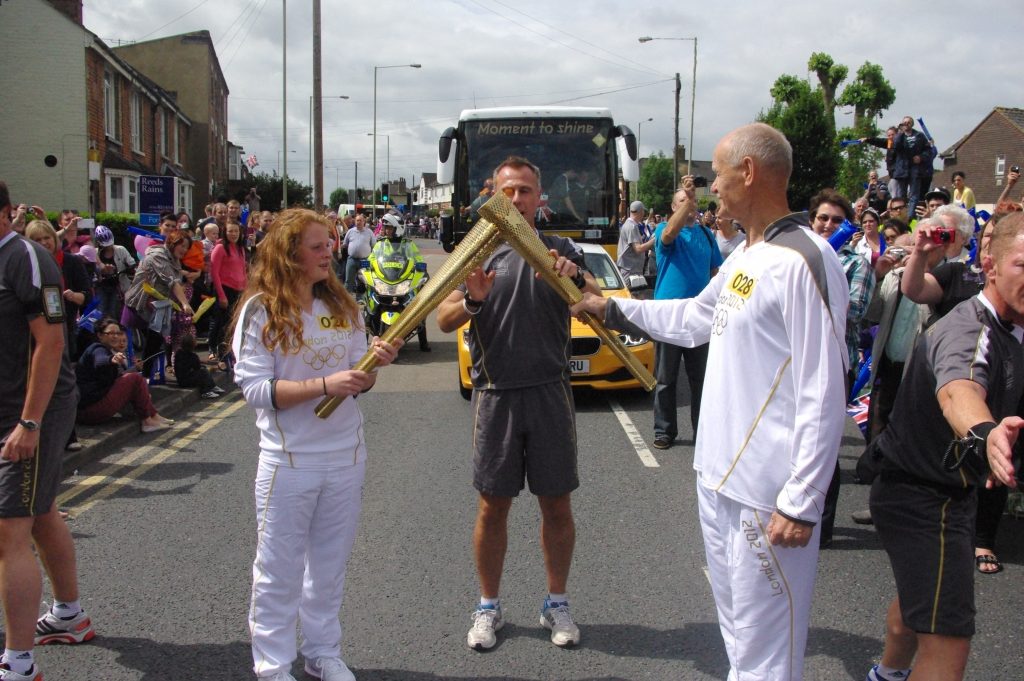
(391, 220)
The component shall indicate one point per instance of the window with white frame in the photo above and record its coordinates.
(136, 115)
(132, 195)
(122, 192)
(1000, 165)
(177, 145)
(185, 190)
(111, 107)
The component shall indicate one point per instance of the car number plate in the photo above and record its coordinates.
(579, 366)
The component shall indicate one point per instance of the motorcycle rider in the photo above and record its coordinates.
(393, 239)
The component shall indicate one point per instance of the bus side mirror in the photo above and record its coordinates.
(447, 147)
(448, 233)
(629, 156)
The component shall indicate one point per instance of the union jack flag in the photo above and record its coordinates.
(251, 161)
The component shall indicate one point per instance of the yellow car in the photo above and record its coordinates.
(593, 364)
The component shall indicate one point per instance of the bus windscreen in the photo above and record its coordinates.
(574, 157)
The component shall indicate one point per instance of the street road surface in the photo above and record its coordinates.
(165, 531)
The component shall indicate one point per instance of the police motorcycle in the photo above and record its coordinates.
(390, 278)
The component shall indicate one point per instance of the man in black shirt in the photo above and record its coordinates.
(37, 413)
(953, 428)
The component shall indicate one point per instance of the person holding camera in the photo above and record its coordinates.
(953, 281)
(688, 257)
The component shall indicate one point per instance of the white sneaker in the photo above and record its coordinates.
(874, 675)
(329, 669)
(280, 676)
(556, 617)
(486, 621)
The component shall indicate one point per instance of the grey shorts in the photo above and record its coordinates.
(29, 487)
(525, 435)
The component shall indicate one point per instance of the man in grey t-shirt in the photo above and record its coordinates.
(358, 243)
(632, 245)
(524, 426)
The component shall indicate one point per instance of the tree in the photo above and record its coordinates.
(830, 76)
(655, 185)
(338, 197)
(269, 189)
(870, 94)
(802, 118)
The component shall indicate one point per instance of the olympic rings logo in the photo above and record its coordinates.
(719, 321)
(330, 357)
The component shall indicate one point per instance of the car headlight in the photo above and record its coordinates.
(632, 341)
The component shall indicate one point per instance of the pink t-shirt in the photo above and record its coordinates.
(227, 269)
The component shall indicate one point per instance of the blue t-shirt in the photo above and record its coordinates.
(684, 267)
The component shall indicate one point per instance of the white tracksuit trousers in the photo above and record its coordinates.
(306, 526)
(762, 592)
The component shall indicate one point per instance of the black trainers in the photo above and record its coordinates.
(662, 442)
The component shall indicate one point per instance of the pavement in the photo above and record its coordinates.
(169, 400)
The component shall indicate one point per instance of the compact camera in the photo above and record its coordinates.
(943, 236)
(700, 181)
(896, 253)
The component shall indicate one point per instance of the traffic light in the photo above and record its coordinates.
(384, 193)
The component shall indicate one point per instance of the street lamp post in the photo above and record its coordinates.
(375, 69)
(638, 126)
(693, 100)
(333, 96)
(284, 180)
(387, 168)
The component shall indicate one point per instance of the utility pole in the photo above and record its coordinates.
(675, 145)
(284, 102)
(318, 130)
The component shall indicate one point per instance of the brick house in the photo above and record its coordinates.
(83, 125)
(986, 154)
(187, 64)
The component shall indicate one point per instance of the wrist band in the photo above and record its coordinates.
(324, 382)
(472, 307)
(973, 444)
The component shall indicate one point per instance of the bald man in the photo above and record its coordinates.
(770, 427)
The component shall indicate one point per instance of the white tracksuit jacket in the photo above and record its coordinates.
(773, 411)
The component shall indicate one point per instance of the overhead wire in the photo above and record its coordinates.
(576, 37)
(556, 40)
(254, 18)
(180, 16)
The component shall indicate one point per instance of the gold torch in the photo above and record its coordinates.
(474, 248)
(514, 228)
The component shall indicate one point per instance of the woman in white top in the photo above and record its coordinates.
(296, 337)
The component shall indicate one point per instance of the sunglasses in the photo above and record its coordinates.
(834, 219)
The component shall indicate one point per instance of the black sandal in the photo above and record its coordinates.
(988, 559)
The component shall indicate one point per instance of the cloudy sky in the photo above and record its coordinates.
(950, 64)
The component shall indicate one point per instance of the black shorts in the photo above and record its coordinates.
(29, 487)
(525, 434)
(928, 532)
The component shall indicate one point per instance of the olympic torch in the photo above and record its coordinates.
(474, 248)
(514, 228)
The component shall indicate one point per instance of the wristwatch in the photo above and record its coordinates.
(29, 424)
(579, 280)
(471, 306)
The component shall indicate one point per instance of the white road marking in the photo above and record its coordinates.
(112, 477)
(634, 435)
